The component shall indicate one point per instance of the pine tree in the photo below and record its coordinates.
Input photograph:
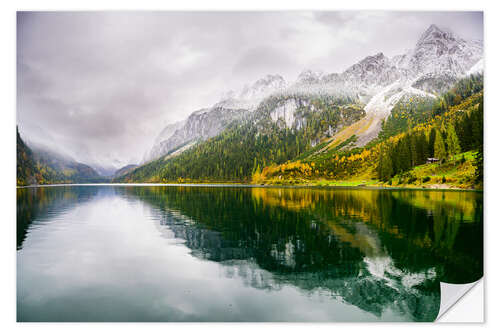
(423, 152)
(478, 138)
(432, 139)
(439, 148)
(452, 141)
(405, 153)
(464, 132)
(478, 163)
(414, 149)
(385, 169)
(477, 127)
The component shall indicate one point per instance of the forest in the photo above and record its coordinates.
(37, 167)
(450, 132)
(447, 130)
(423, 142)
(246, 146)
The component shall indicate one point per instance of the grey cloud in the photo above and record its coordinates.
(261, 60)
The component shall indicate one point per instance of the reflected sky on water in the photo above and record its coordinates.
(110, 253)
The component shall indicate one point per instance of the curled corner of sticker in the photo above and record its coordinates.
(451, 294)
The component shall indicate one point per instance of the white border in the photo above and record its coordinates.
(7, 166)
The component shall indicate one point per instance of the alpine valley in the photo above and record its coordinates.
(302, 196)
(413, 120)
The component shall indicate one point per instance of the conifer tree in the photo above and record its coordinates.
(432, 139)
(452, 141)
(405, 153)
(478, 138)
(439, 148)
(414, 149)
(477, 126)
(422, 150)
(385, 169)
(478, 163)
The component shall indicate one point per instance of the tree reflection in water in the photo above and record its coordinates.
(373, 248)
(376, 249)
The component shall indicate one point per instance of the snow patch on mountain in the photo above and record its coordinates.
(437, 61)
(372, 73)
(379, 108)
(200, 125)
(310, 77)
(382, 103)
(251, 95)
(208, 122)
(263, 87)
(440, 50)
(157, 150)
(478, 68)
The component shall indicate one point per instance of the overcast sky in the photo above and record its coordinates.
(101, 85)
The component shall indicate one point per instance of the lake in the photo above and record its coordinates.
(202, 253)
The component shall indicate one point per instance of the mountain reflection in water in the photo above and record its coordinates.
(378, 250)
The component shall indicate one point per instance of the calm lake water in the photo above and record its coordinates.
(144, 253)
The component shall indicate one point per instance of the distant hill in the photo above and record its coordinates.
(41, 166)
(122, 171)
(26, 166)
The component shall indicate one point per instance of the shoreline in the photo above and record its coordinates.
(227, 184)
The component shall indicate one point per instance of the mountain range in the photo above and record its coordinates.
(438, 60)
(272, 121)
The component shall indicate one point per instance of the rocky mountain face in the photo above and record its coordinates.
(263, 87)
(440, 51)
(437, 61)
(438, 55)
(206, 123)
(200, 125)
(158, 148)
(372, 72)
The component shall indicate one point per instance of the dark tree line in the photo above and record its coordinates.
(243, 148)
(452, 135)
(417, 110)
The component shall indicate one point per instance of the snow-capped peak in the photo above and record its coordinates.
(310, 76)
(438, 59)
(251, 95)
(263, 87)
(433, 32)
(441, 51)
(370, 64)
(371, 71)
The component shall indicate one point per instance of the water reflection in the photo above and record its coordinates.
(373, 248)
(40, 204)
(382, 251)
